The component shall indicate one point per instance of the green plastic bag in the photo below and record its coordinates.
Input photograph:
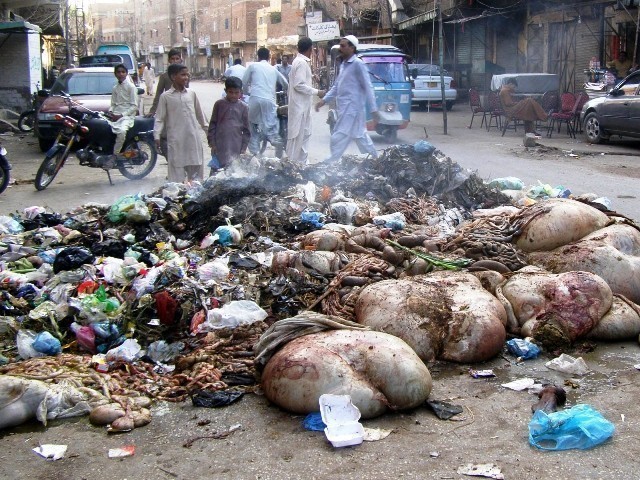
(118, 210)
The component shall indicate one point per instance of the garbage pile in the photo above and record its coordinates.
(164, 296)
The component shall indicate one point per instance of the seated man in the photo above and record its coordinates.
(527, 110)
(124, 106)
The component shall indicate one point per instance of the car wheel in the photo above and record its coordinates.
(449, 106)
(44, 144)
(593, 130)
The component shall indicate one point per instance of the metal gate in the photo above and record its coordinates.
(562, 53)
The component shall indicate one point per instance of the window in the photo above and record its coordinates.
(226, 24)
(237, 23)
(181, 27)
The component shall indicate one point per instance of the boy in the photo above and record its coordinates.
(124, 106)
(179, 113)
(229, 125)
(164, 82)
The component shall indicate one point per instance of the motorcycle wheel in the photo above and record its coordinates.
(4, 179)
(48, 170)
(27, 120)
(141, 166)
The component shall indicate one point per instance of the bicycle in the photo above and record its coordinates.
(27, 119)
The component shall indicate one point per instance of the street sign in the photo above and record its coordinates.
(324, 31)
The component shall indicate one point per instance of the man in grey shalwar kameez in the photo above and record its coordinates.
(352, 90)
(260, 83)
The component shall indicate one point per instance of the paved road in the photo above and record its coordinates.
(612, 170)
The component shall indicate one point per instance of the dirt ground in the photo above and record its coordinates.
(272, 444)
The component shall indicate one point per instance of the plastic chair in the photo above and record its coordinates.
(507, 121)
(550, 102)
(495, 110)
(583, 97)
(476, 107)
(565, 114)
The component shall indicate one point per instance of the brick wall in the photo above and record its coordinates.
(291, 16)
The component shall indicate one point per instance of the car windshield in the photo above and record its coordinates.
(388, 72)
(84, 83)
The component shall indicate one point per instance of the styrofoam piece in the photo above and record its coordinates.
(341, 417)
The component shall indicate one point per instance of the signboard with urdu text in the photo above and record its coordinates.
(319, 32)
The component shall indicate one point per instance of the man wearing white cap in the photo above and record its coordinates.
(352, 91)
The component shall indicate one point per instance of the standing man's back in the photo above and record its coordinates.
(236, 70)
(260, 83)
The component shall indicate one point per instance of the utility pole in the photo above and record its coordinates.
(441, 57)
(66, 34)
(393, 36)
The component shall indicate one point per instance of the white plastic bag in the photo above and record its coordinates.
(24, 342)
(568, 364)
(233, 314)
(128, 351)
(139, 213)
(213, 271)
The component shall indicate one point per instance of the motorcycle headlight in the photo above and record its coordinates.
(46, 116)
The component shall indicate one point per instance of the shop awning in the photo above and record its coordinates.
(416, 20)
(19, 27)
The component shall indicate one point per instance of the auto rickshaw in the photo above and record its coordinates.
(392, 85)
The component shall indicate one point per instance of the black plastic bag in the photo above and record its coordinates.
(232, 379)
(110, 248)
(444, 410)
(72, 257)
(220, 398)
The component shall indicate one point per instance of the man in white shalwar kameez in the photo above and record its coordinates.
(124, 106)
(352, 91)
(301, 93)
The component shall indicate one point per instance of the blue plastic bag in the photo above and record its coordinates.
(422, 146)
(523, 348)
(314, 422)
(314, 218)
(47, 344)
(579, 427)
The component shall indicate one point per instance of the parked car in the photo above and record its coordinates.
(426, 86)
(616, 113)
(87, 86)
(127, 57)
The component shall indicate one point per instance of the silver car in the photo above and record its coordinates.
(616, 113)
(426, 88)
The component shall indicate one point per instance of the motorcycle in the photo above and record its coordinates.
(5, 168)
(135, 161)
(282, 112)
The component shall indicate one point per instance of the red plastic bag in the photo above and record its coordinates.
(166, 306)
